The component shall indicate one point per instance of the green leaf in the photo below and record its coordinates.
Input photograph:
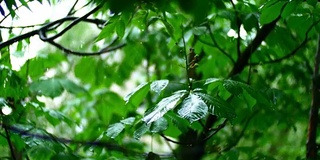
(271, 11)
(312, 2)
(153, 156)
(63, 155)
(165, 105)
(233, 87)
(237, 88)
(39, 65)
(24, 3)
(274, 95)
(120, 28)
(53, 87)
(141, 129)
(159, 85)
(138, 94)
(71, 87)
(114, 130)
(169, 28)
(212, 80)
(11, 85)
(108, 30)
(199, 30)
(251, 22)
(256, 94)
(193, 108)
(55, 117)
(159, 125)
(49, 87)
(128, 121)
(217, 106)
(40, 152)
(19, 142)
(178, 122)
(85, 69)
(9, 4)
(289, 8)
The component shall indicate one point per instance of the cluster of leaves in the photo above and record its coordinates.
(100, 124)
(192, 105)
(12, 4)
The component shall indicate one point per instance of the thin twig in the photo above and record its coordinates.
(186, 59)
(217, 45)
(48, 25)
(215, 130)
(22, 27)
(27, 133)
(242, 132)
(197, 141)
(68, 51)
(73, 23)
(71, 12)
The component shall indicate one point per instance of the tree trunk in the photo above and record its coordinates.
(313, 119)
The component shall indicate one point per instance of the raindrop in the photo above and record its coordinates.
(6, 110)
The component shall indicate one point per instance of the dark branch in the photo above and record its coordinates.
(73, 23)
(22, 27)
(68, 51)
(71, 11)
(42, 32)
(18, 38)
(214, 131)
(312, 146)
(9, 42)
(53, 25)
(262, 34)
(52, 138)
(27, 133)
(293, 52)
(238, 23)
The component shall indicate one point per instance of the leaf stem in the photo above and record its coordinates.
(186, 59)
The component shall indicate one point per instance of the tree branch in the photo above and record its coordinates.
(243, 60)
(52, 25)
(262, 34)
(18, 38)
(22, 27)
(9, 42)
(238, 23)
(42, 32)
(73, 23)
(71, 12)
(27, 133)
(293, 52)
(68, 51)
(198, 141)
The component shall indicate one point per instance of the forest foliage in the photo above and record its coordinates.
(133, 79)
